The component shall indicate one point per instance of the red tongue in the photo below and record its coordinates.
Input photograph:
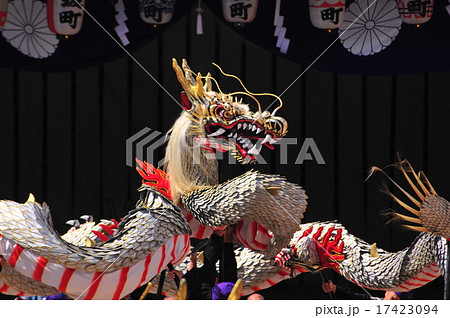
(269, 146)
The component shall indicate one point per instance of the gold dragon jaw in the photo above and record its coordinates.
(221, 120)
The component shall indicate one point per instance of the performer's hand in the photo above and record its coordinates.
(389, 295)
(193, 257)
(173, 273)
(328, 287)
(192, 260)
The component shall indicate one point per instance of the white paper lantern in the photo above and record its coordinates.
(65, 16)
(156, 11)
(326, 14)
(239, 11)
(3, 12)
(415, 11)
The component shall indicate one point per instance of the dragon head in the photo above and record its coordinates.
(221, 122)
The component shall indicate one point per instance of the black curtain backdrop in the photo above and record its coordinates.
(63, 134)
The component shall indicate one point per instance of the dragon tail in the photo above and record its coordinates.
(431, 212)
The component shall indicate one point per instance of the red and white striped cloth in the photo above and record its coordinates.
(199, 231)
(278, 277)
(249, 234)
(281, 258)
(80, 284)
(426, 275)
(252, 235)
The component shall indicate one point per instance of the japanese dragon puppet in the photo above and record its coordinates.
(110, 259)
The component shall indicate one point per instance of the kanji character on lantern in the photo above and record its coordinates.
(156, 11)
(415, 11)
(326, 14)
(239, 11)
(65, 16)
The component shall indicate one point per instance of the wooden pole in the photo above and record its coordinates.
(161, 284)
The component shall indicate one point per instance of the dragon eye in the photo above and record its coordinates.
(223, 113)
(227, 115)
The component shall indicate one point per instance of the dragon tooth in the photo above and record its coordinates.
(220, 131)
(259, 147)
(251, 151)
(255, 150)
(230, 135)
(267, 139)
(258, 130)
(239, 126)
(253, 128)
(272, 141)
(87, 218)
(75, 223)
(244, 126)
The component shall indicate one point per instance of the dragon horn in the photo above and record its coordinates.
(208, 84)
(31, 198)
(188, 72)
(374, 251)
(185, 83)
(192, 86)
(199, 86)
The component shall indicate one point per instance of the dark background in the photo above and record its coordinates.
(62, 135)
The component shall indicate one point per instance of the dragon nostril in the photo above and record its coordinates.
(265, 114)
(278, 125)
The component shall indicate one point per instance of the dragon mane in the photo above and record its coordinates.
(183, 155)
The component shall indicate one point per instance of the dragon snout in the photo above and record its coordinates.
(277, 125)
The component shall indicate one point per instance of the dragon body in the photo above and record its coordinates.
(147, 240)
(322, 245)
(109, 260)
